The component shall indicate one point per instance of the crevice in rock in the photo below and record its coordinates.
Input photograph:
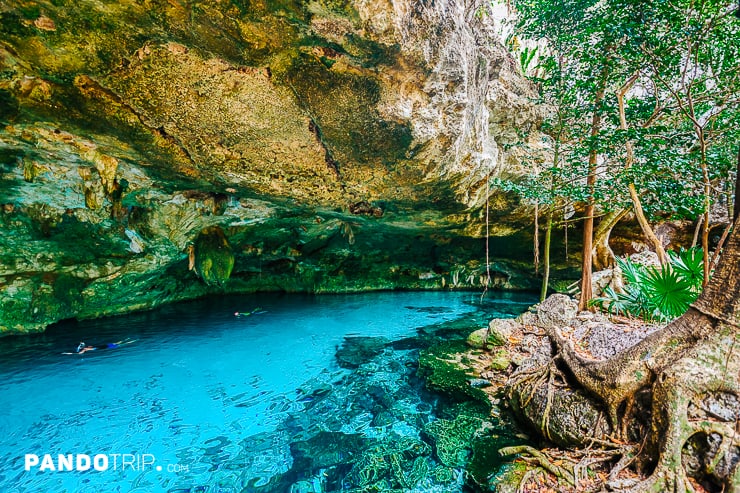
(92, 88)
(332, 163)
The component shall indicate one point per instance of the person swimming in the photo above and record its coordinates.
(83, 348)
(256, 311)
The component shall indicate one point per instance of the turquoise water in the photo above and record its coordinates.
(203, 401)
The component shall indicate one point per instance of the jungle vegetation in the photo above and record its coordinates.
(643, 117)
(643, 100)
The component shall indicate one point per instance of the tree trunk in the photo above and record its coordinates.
(586, 270)
(588, 221)
(546, 259)
(736, 205)
(707, 203)
(647, 230)
(691, 371)
(697, 231)
(536, 239)
(603, 256)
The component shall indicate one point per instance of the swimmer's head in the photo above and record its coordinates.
(80, 346)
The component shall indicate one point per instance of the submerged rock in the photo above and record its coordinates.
(327, 449)
(396, 463)
(359, 350)
(453, 439)
(509, 477)
(444, 374)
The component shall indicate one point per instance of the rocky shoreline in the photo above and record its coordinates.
(510, 352)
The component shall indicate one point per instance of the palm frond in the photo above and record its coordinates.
(656, 293)
(668, 291)
(690, 265)
(631, 271)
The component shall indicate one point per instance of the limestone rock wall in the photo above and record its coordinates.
(337, 145)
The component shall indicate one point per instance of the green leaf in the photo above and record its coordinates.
(669, 293)
(690, 265)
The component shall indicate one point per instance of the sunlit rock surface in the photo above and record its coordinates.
(337, 146)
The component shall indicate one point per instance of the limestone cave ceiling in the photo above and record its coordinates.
(127, 128)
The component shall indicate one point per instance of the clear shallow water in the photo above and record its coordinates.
(228, 404)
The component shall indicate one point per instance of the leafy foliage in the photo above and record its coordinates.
(654, 293)
(684, 61)
(644, 101)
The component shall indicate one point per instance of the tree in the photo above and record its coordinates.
(623, 77)
(693, 62)
(572, 86)
(667, 57)
(693, 360)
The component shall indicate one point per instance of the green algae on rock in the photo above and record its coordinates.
(452, 439)
(398, 463)
(214, 259)
(444, 374)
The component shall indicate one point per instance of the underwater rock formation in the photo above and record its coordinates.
(371, 427)
(339, 146)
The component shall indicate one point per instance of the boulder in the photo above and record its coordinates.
(647, 258)
(573, 417)
(500, 329)
(478, 339)
(556, 311)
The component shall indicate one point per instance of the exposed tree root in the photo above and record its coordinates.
(685, 378)
(542, 460)
(617, 380)
(692, 369)
(575, 468)
(707, 374)
(693, 440)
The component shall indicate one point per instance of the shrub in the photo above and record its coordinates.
(657, 293)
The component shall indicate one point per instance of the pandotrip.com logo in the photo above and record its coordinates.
(97, 462)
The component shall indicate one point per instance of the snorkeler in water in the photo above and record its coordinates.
(83, 348)
(256, 311)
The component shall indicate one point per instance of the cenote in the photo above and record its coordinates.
(309, 394)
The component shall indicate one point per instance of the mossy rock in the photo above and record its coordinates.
(214, 259)
(68, 290)
(486, 463)
(500, 360)
(452, 439)
(499, 331)
(478, 339)
(509, 477)
(442, 374)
